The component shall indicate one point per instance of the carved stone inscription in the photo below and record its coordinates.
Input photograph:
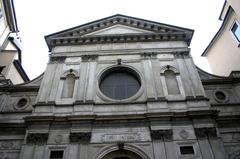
(120, 137)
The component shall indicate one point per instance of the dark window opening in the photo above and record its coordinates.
(220, 95)
(22, 102)
(186, 150)
(236, 31)
(56, 154)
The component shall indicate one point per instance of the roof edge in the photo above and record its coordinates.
(205, 52)
(21, 71)
(224, 4)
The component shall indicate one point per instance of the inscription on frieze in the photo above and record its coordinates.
(120, 137)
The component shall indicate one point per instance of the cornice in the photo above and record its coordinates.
(78, 40)
(79, 35)
(188, 115)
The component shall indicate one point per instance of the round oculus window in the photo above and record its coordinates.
(21, 103)
(119, 83)
(221, 96)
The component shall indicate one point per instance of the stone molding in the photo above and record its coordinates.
(80, 137)
(61, 41)
(160, 32)
(163, 135)
(37, 138)
(147, 55)
(203, 133)
(60, 59)
(86, 58)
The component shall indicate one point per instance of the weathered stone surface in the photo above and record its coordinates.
(153, 123)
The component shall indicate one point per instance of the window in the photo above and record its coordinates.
(119, 83)
(56, 154)
(22, 102)
(68, 86)
(186, 150)
(236, 31)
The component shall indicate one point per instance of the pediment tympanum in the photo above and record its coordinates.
(118, 29)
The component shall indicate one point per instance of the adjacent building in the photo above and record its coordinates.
(121, 88)
(11, 70)
(223, 52)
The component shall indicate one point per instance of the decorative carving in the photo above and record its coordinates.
(58, 138)
(80, 137)
(149, 55)
(7, 145)
(37, 138)
(205, 132)
(181, 54)
(57, 59)
(120, 146)
(119, 61)
(120, 137)
(184, 134)
(10, 145)
(89, 57)
(164, 135)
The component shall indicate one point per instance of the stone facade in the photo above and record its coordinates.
(166, 108)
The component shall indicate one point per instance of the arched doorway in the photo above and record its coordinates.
(122, 154)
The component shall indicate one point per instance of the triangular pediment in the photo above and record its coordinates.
(118, 30)
(118, 25)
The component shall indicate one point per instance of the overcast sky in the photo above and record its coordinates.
(37, 18)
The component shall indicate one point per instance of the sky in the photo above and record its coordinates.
(38, 18)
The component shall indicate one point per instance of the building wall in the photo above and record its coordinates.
(224, 55)
(37, 119)
(4, 30)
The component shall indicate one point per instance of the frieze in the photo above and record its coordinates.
(10, 145)
(37, 138)
(202, 133)
(147, 55)
(181, 54)
(80, 137)
(120, 137)
(57, 59)
(164, 135)
(119, 38)
(89, 57)
(6, 145)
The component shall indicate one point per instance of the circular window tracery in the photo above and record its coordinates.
(119, 83)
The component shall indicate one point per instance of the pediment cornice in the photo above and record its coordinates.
(154, 32)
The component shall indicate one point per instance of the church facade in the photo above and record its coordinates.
(121, 88)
